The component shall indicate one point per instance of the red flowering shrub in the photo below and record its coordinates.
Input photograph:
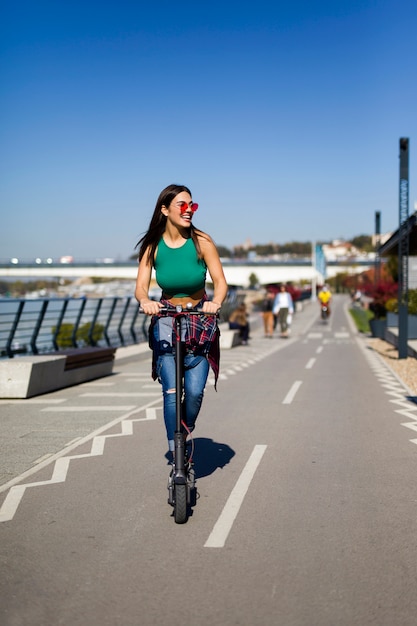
(380, 294)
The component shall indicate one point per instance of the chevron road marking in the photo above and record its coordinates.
(15, 495)
(393, 387)
(412, 425)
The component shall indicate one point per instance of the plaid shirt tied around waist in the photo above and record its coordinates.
(200, 334)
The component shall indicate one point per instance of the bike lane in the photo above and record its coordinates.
(102, 548)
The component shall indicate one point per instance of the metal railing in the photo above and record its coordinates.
(38, 326)
(42, 325)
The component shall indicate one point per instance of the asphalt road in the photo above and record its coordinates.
(306, 460)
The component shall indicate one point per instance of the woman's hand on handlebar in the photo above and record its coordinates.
(150, 307)
(210, 307)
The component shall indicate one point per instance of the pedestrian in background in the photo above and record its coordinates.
(238, 320)
(283, 306)
(267, 314)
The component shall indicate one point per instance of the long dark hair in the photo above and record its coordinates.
(158, 222)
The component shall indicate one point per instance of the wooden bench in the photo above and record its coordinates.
(28, 376)
(84, 357)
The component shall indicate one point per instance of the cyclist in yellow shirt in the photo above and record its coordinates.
(325, 298)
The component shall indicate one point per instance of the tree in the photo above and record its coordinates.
(224, 252)
(363, 242)
(253, 281)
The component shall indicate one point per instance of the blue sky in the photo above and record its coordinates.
(283, 118)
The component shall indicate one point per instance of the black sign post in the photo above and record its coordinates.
(403, 252)
(377, 274)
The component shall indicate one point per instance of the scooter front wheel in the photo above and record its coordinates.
(180, 503)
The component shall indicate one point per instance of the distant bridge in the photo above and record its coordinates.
(237, 273)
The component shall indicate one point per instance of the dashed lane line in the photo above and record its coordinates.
(223, 526)
(291, 394)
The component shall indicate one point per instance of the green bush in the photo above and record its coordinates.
(361, 318)
(64, 338)
(412, 301)
(392, 304)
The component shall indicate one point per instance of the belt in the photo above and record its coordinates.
(194, 299)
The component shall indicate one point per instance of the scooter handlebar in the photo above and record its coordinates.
(179, 309)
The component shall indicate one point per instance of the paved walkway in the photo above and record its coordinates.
(35, 430)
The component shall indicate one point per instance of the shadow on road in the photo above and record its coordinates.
(210, 455)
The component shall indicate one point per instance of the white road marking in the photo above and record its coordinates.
(43, 458)
(72, 441)
(133, 375)
(412, 425)
(94, 384)
(389, 380)
(310, 364)
(319, 350)
(291, 394)
(315, 335)
(86, 409)
(151, 414)
(341, 335)
(224, 524)
(132, 394)
(33, 401)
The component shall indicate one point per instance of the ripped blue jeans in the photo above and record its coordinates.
(196, 369)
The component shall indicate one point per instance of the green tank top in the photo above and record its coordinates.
(179, 271)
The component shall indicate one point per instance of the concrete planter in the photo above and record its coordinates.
(392, 321)
(378, 328)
